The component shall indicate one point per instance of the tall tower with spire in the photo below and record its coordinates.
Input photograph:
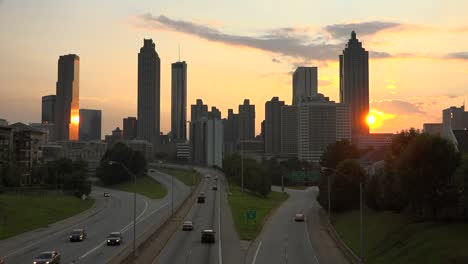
(354, 84)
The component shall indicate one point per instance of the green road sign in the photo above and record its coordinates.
(251, 214)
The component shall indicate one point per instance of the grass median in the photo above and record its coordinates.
(188, 177)
(145, 185)
(240, 202)
(398, 238)
(22, 213)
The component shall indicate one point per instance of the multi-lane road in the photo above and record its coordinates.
(109, 215)
(186, 247)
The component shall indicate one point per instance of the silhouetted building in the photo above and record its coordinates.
(214, 113)
(321, 122)
(179, 101)
(48, 129)
(198, 111)
(149, 89)
(90, 124)
(67, 98)
(129, 128)
(246, 121)
(48, 109)
(374, 140)
(354, 84)
(433, 128)
(206, 139)
(455, 118)
(231, 132)
(117, 134)
(289, 130)
(305, 83)
(272, 125)
(3, 122)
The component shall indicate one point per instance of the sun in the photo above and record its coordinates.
(75, 119)
(371, 119)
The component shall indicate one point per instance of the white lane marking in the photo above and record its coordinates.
(125, 228)
(220, 256)
(256, 252)
(310, 243)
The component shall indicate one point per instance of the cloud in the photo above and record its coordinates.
(397, 107)
(364, 28)
(457, 55)
(295, 43)
(275, 60)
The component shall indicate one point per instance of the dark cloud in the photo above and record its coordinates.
(397, 107)
(457, 55)
(276, 60)
(289, 42)
(365, 28)
(379, 55)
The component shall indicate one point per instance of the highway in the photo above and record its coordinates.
(109, 215)
(283, 240)
(186, 247)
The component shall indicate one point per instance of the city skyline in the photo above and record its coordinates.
(409, 85)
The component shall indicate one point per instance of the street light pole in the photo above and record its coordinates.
(134, 202)
(172, 196)
(242, 166)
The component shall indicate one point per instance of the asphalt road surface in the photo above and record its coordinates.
(185, 246)
(109, 215)
(284, 241)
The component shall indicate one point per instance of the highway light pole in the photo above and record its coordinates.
(242, 166)
(328, 192)
(134, 201)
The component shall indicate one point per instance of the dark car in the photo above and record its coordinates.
(299, 217)
(208, 236)
(215, 188)
(187, 226)
(114, 238)
(48, 257)
(201, 199)
(77, 235)
(106, 194)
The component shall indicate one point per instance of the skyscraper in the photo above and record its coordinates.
(48, 109)
(67, 98)
(289, 127)
(214, 113)
(129, 128)
(90, 124)
(354, 84)
(231, 132)
(305, 83)
(149, 88)
(179, 101)
(198, 111)
(246, 121)
(273, 126)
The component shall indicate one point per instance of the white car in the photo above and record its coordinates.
(299, 217)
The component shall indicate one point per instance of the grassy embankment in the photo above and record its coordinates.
(188, 177)
(240, 202)
(145, 185)
(397, 238)
(22, 213)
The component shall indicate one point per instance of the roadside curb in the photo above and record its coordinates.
(151, 242)
(347, 252)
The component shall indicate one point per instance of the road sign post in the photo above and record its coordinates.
(251, 215)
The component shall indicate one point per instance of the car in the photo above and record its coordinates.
(215, 188)
(114, 238)
(208, 236)
(151, 170)
(216, 178)
(106, 194)
(77, 235)
(207, 176)
(187, 226)
(201, 199)
(48, 257)
(299, 217)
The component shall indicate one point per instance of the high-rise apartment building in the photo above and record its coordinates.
(272, 126)
(48, 109)
(67, 98)
(90, 125)
(179, 101)
(198, 111)
(149, 88)
(206, 139)
(321, 122)
(214, 113)
(129, 128)
(305, 83)
(246, 121)
(289, 133)
(354, 84)
(455, 118)
(231, 132)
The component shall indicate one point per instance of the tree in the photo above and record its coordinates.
(345, 185)
(426, 167)
(338, 152)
